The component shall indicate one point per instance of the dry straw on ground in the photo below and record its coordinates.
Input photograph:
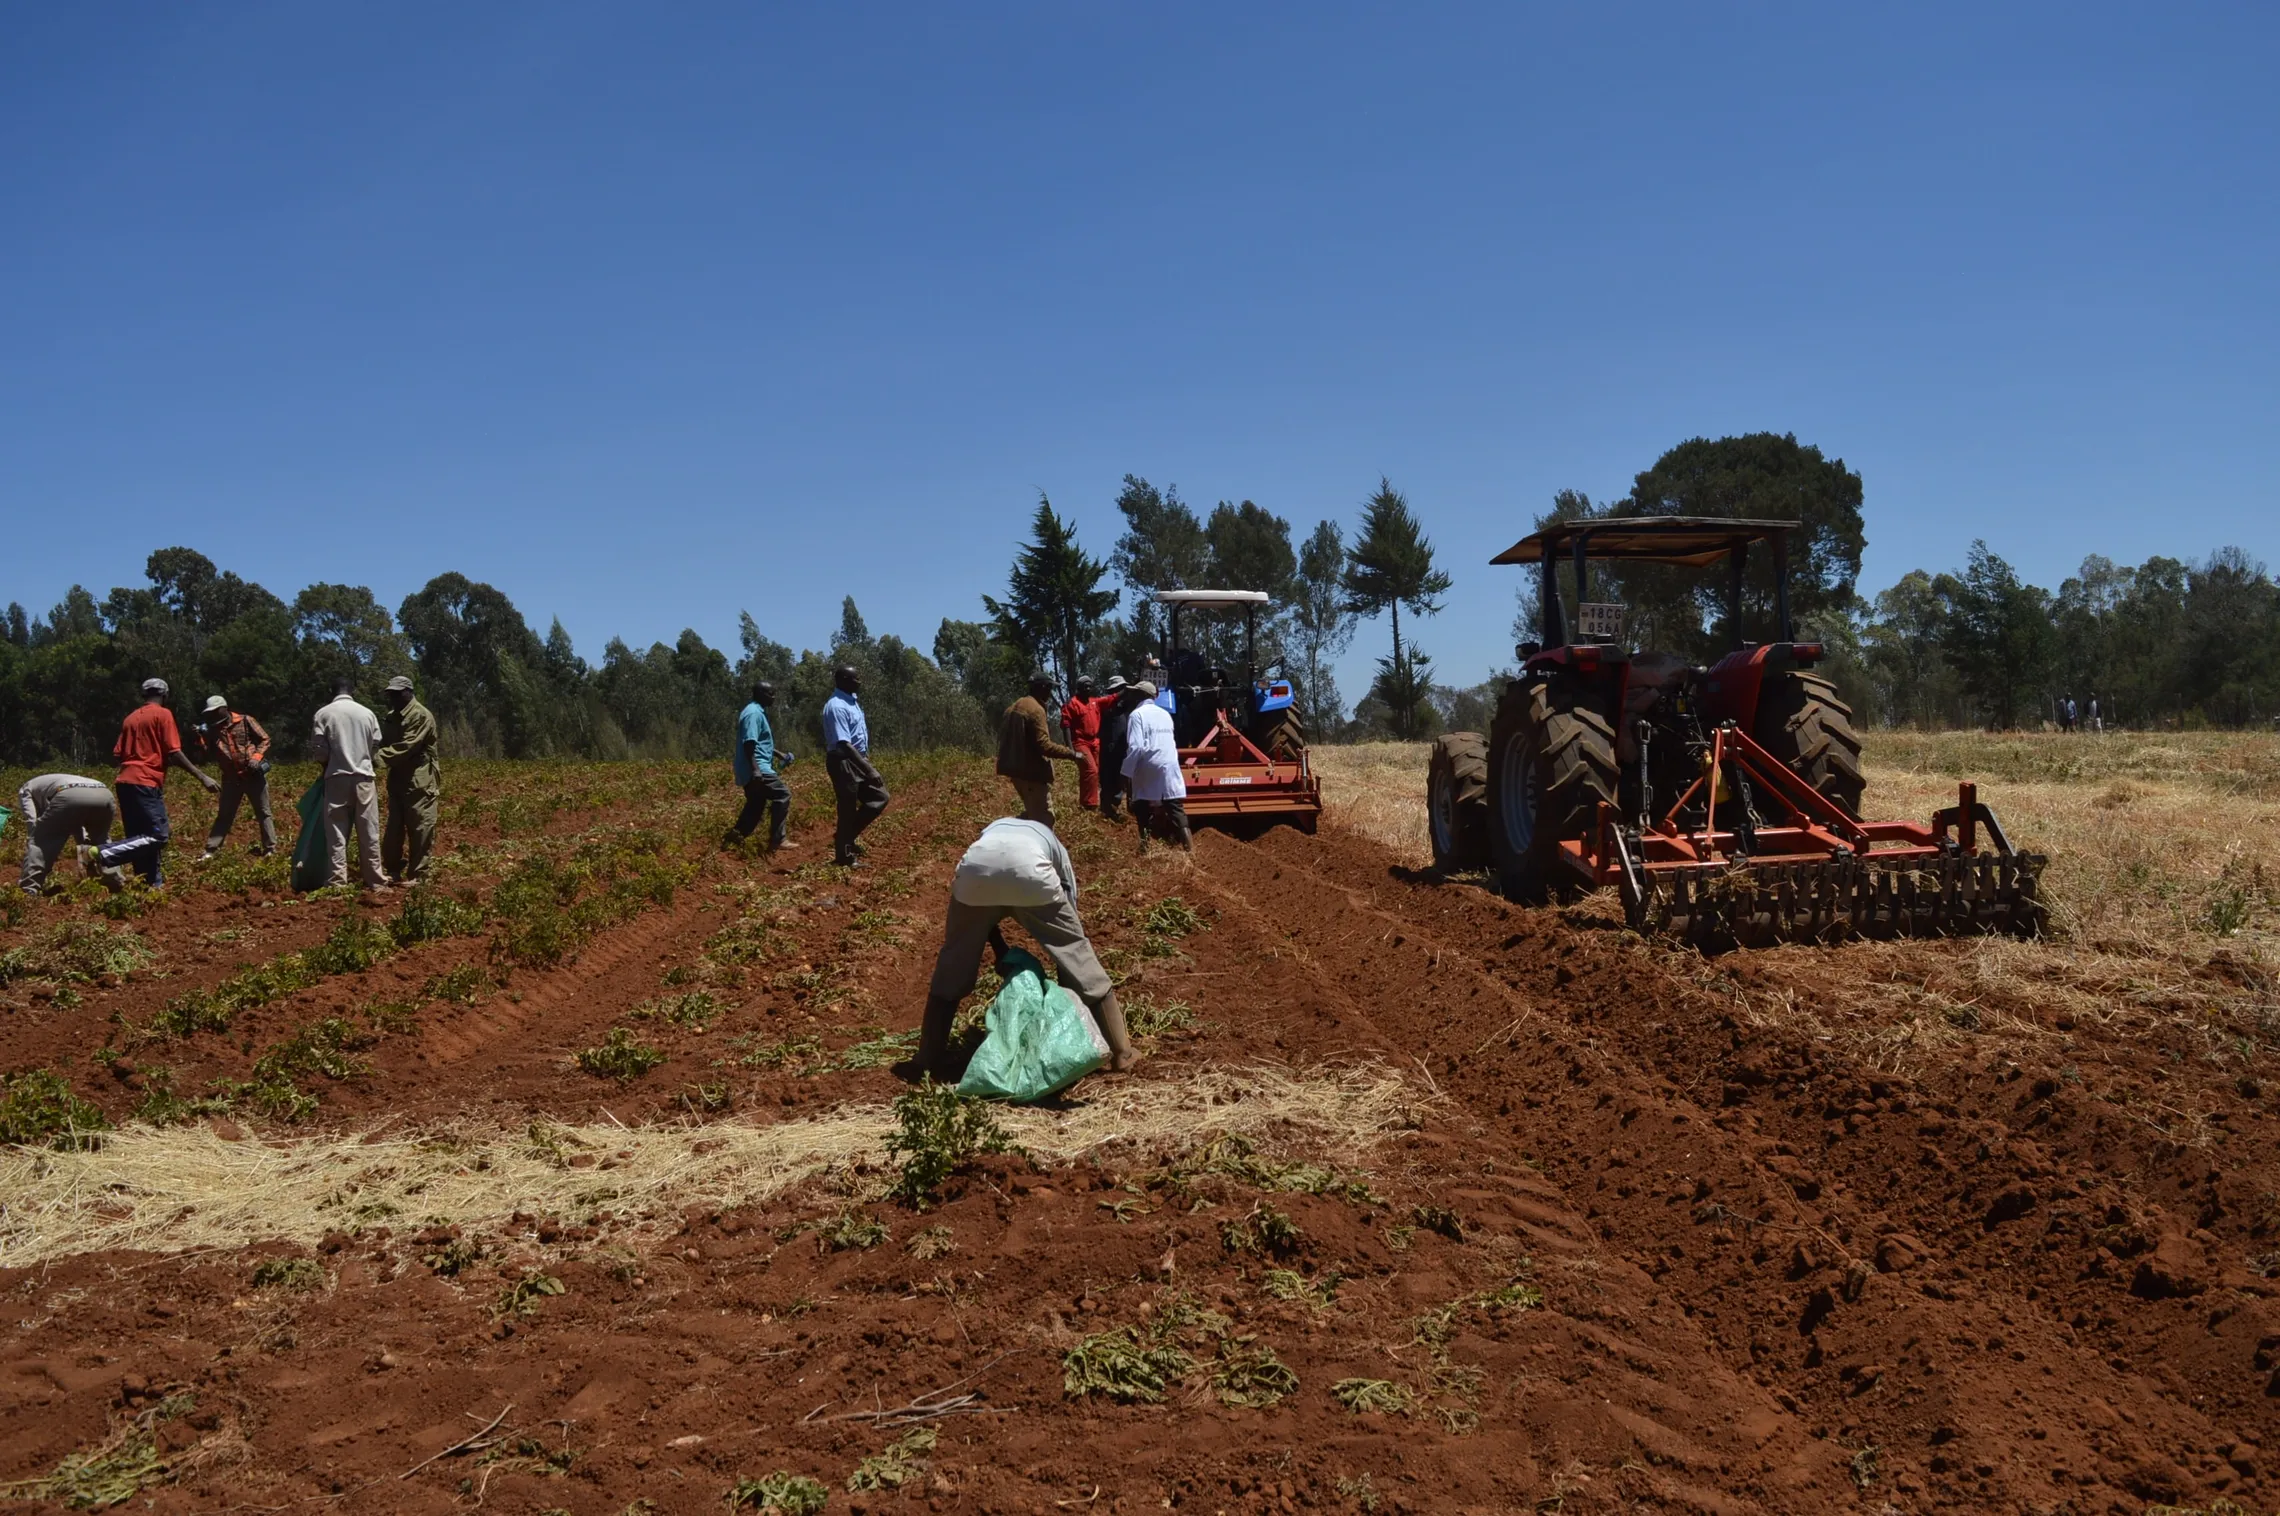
(170, 1189)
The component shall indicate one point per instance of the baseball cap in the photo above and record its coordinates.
(400, 682)
(216, 703)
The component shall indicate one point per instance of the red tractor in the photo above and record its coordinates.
(1723, 802)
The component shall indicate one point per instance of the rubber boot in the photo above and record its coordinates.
(1110, 1016)
(933, 1055)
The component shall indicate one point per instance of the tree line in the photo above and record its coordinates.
(499, 689)
(2168, 642)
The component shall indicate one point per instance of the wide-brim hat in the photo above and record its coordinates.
(1116, 681)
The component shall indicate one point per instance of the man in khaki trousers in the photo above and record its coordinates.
(347, 734)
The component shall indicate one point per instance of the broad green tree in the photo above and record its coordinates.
(1999, 639)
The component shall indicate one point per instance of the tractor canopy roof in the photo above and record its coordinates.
(1211, 597)
(1691, 541)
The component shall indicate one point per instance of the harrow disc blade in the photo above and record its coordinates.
(1753, 905)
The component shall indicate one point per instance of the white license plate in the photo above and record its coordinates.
(1236, 779)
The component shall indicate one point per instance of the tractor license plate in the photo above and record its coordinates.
(1600, 623)
(1236, 779)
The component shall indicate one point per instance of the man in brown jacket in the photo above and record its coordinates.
(1026, 751)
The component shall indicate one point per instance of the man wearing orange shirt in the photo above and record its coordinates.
(1080, 723)
(149, 742)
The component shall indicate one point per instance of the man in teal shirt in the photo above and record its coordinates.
(754, 762)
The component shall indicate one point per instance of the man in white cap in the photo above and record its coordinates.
(347, 734)
(149, 744)
(1115, 707)
(1152, 771)
(241, 752)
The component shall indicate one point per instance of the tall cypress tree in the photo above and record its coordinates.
(1053, 601)
(1389, 566)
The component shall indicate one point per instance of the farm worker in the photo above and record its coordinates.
(59, 810)
(149, 742)
(1080, 723)
(1152, 767)
(1026, 750)
(346, 736)
(1114, 706)
(754, 762)
(2096, 724)
(415, 783)
(241, 752)
(1016, 868)
(861, 792)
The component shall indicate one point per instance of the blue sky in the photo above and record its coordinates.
(650, 314)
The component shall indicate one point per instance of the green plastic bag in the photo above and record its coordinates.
(1041, 1038)
(312, 854)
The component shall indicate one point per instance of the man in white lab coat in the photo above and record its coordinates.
(1152, 772)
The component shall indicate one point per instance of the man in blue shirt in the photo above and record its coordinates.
(847, 759)
(754, 763)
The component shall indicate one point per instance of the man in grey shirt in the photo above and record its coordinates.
(57, 810)
(347, 735)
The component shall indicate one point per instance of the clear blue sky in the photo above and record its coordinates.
(647, 314)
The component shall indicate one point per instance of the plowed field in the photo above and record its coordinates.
(1421, 1202)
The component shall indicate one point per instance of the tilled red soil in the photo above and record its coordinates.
(1770, 1278)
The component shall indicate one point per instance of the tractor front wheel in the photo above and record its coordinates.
(1551, 764)
(1801, 721)
(1456, 801)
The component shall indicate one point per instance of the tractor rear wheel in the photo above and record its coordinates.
(1281, 735)
(1456, 801)
(1551, 763)
(1801, 721)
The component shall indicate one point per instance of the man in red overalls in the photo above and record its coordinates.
(1080, 723)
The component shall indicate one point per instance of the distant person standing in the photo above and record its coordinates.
(58, 811)
(1026, 750)
(1115, 708)
(2097, 722)
(1080, 723)
(149, 743)
(346, 736)
(755, 762)
(241, 752)
(861, 792)
(415, 784)
(1152, 765)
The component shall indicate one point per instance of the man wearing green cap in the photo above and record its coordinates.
(415, 783)
(241, 750)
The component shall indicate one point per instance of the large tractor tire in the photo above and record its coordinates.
(1801, 721)
(1456, 801)
(1551, 763)
(1281, 735)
